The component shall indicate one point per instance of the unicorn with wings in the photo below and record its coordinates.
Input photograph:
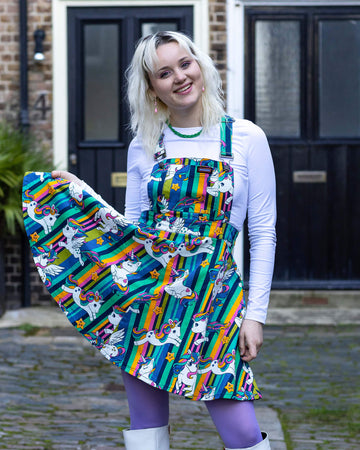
(43, 258)
(44, 215)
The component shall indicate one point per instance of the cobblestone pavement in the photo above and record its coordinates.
(50, 402)
(310, 374)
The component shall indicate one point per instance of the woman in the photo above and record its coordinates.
(175, 318)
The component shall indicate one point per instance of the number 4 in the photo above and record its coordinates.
(40, 105)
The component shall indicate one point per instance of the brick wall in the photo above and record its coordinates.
(39, 74)
(39, 86)
(218, 36)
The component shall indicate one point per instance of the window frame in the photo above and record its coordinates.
(309, 18)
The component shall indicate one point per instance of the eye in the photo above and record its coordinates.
(165, 74)
(185, 64)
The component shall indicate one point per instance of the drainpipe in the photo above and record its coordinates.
(24, 126)
(24, 111)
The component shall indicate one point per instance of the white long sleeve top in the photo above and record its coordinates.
(254, 194)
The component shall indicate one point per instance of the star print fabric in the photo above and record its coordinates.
(161, 298)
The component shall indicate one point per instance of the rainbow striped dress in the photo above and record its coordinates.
(160, 298)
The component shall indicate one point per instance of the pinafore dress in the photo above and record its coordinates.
(160, 298)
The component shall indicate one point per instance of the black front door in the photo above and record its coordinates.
(101, 43)
(303, 89)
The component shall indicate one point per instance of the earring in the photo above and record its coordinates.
(203, 89)
(155, 106)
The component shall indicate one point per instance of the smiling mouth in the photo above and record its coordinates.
(183, 89)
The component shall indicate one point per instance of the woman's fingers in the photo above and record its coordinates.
(250, 339)
(66, 176)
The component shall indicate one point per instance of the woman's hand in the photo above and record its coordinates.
(66, 175)
(250, 339)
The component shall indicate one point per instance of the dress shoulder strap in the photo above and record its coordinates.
(160, 151)
(226, 130)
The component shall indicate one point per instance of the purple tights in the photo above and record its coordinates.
(235, 420)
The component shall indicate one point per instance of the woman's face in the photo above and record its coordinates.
(178, 82)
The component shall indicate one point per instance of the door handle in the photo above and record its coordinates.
(309, 176)
(73, 159)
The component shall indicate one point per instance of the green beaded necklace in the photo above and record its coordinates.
(187, 136)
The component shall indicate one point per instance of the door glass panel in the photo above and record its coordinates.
(101, 88)
(153, 27)
(339, 78)
(278, 77)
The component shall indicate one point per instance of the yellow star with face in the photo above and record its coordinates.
(158, 310)
(225, 339)
(203, 219)
(51, 190)
(80, 324)
(218, 230)
(154, 274)
(175, 186)
(170, 357)
(99, 241)
(204, 263)
(229, 387)
(204, 211)
(94, 276)
(34, 237)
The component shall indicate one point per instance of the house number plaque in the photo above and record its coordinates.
(118, 179)
(309, 176)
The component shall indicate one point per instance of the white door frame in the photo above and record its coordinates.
(60, 57)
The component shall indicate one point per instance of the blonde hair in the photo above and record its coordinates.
(144, 122)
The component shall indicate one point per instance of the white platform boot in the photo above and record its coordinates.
(263, 445)
(147, 439)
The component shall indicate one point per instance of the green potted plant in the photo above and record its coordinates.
(18, 153)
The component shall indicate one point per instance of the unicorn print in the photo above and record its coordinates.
(126, 267)
(177, 226)
(185, 371)
(239, 319)
(43, 257)
(202, 326)
(162, 252)
(199, 327)
(147, 367)
(109, 349)
(164, 204)
(220, 183)
(108, 220)
(73, 243)
(171, 169)
(218, 367)
(179, 290)
(44, 215)
(208, 393)
(41, 175)
(249, 371)
(218, 276)
(90, 302)
(169, 334)
(116, 316)
(197, 245)
(76, 193)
